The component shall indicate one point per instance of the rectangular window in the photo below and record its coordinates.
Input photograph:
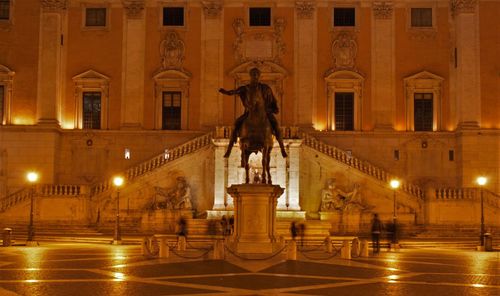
(423, 111)
(451, 155)
(344, 17)
(2, 102)
(421, 17)
(4, 9)
(171, 110)
(95, 17)
(92, 110)
(260, 16)
(173, 16)
(344, 111)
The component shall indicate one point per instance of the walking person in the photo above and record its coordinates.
(376, 231)
(293, 230)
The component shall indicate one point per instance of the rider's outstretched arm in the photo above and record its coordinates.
(230, 92)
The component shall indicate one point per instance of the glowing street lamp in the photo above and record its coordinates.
(32, 177)
(481, 181)
(117, 182)
(394, 183)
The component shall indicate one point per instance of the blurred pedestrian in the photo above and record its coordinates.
(376, 231)
(223, 224)
(302, 232)
(182, 227)
(293, 230)
(231, 225)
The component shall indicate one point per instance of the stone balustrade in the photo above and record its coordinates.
(157, 161)
(287, 132)
(454, 194)
(360, 165)
(41, 190)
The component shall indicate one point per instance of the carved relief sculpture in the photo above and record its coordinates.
(53, 5)
(382, 10)
(238, 27)
(335, 199)
(305, 9)
(344, 50)
(172, 51)
(177, 198)
(212, 9)
(462, 6)
(279, 27)
(133, 8)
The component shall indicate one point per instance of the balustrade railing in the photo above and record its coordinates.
(157, 161)
(359, 164)
(41, 190)
(467, 193)
(287, 132)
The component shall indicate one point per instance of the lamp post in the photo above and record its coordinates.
(32, 177)
(117, 238)
(394, 185)
(481, 181)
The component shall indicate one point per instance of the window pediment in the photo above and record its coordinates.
(90, 76)
(6, 73)
(269, 71)
(172, 75)
(424, 79)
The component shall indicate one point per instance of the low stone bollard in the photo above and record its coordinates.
(364, 249)
(181, 243)
(164, 251)
(218, 252)
(144, 246)
(356, 247)
(345, 252)
(291, 249)
(328, 245)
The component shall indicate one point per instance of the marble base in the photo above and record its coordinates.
(255, 217)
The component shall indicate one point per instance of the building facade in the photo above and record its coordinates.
(92, 88)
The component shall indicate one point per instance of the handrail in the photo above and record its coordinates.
(467, 193)
(40, 190)
(157, 161)
(361, 165)
(287, 132)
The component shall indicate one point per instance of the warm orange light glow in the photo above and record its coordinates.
(68, 125)
(22, 120)
(394, 184)
(320, 126)
(32, 177)
(118, 181)
(481, 181)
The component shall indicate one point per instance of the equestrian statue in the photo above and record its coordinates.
(257, 125)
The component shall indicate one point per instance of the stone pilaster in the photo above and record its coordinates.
(468, 93)
(212, 52)
(220, 174)
(383, 66)
(305, 63)
(133, 45)
(50, 66)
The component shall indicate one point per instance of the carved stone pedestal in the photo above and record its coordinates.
(255, 217)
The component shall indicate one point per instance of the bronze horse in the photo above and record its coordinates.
(256, 136)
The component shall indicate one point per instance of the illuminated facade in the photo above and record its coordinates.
(91, 88)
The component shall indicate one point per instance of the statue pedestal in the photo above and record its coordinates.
(255, 217)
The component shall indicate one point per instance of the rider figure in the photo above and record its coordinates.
(247, 93)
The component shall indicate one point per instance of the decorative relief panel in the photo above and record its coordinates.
(133, 8)
(344, 50)
(305, 9)
(382, 10)
(53, 5)
(212, 9)
(259, 44)
(463, 6)
(172, 51)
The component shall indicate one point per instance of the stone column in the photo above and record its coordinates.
(383, 66)
(212, 52)
(468, 94)
(305, 64)
(220, 174)
(133, 52)
(293, 175)
(50, 64)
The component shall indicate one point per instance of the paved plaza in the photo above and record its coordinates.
(85, 269)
